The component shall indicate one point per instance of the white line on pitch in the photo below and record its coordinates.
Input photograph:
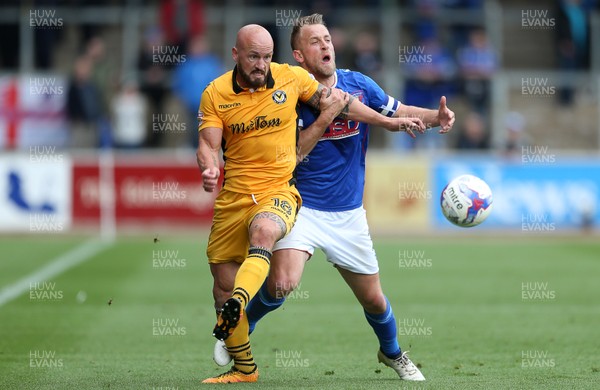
(55, 267)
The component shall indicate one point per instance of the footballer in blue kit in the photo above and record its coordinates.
(331, 178)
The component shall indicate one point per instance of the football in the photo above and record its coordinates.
(466, 201)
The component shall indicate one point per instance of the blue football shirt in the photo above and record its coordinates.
(332, 176)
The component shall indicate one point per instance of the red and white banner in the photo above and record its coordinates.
(32, 111)
(163, 192)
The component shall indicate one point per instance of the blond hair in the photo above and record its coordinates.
(304, 21)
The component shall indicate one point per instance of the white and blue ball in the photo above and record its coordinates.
(466, 201)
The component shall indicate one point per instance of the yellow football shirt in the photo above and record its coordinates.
(259, 126)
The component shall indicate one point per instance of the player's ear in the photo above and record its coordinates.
(298, 56)
(234, 54)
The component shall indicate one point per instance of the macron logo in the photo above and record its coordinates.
(230, 105)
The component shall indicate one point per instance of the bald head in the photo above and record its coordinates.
(253, 35)
(252, 54)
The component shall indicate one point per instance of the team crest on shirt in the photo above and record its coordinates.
(279, 96)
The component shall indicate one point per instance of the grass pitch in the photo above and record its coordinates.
(475, 312)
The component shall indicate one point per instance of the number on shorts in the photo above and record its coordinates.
(284, 205)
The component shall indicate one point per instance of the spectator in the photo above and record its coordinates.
(84, 105)
(153, 78)
(429, 74)
(516, 139)
(103, 70)
(477, 62)
(473, 134)
(129, 117)
(430, 70)
(191, 77)
(424, 24)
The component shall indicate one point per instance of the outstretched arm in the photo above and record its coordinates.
(443, 116)
(355, 110)
(207, 155)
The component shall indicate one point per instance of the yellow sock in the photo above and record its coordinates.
(251, 275)
(238, 345)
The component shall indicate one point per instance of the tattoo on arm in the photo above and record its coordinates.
(316, 98)
(273, 217)
(346, 109)
(203, 167)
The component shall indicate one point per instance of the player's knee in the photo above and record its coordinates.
(374, 303)
(265, 233)
(264, 236)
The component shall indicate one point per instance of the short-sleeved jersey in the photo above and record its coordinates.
(259, 126)
(332, 176)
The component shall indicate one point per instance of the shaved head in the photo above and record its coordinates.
(252, 54)
(253, 34)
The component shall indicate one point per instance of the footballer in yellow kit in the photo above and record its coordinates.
(250, 114)
(259, 149)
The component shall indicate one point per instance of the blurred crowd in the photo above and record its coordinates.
(107, 108)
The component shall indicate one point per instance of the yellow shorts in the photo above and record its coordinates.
(228, 240)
